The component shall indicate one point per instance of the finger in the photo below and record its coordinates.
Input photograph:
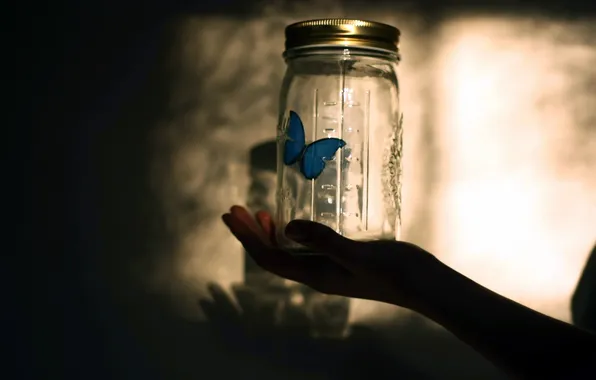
(279, 262)
(266, 222)
(318, 272)
(243, 215)
(323, 239)
(267, 257)
(250, 239)
(254, 245)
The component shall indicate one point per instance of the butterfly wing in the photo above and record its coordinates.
(295, 140)
(315, 155)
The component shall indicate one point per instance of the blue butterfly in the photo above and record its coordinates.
(311, 157)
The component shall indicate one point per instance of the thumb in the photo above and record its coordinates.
(321, 239)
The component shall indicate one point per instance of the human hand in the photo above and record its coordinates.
(387, 271)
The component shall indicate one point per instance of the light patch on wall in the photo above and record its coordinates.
(519, 202)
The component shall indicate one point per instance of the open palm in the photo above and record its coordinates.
(387, 271)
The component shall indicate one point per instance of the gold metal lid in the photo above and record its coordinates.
(342, 32)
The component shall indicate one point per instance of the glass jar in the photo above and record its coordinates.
(339, 136)
(269, 297)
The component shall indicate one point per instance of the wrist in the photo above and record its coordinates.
(438, 290)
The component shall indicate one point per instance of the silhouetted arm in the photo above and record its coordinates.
(523, 342)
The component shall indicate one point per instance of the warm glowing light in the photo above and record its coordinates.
(511, 118)
(510, 221)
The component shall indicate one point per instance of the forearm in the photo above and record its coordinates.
(522, 341)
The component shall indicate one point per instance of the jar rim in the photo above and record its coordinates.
(346, 51)
(343, 33)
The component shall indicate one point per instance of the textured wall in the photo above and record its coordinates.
(499, 145)
(223, 101)
(518, 133)
(511, 106)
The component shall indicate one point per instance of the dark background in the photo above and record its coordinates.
(77, 62)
